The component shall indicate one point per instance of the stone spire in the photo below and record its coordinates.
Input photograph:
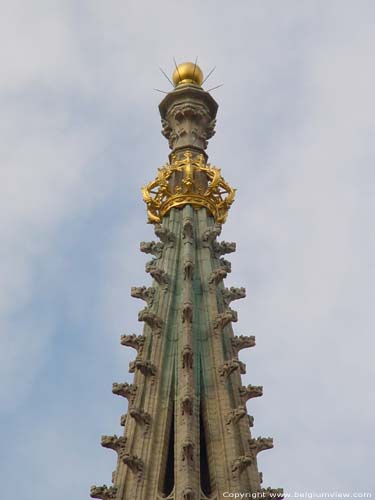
(187, 431)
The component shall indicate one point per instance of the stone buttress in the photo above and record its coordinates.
(187, 433)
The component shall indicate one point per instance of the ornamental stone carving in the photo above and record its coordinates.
(235, 415)
(226, 265)
(187, 357)
(164, 234)
(251, 391)
(144, 293)
(231, 366)
(188, 494)
(187, 405)
(188, 230)
(187, 312)
(187, 454)
(152, 247)
(141, 417)
(242, 342)
(188, 269)
(212, 233)
(223, 247)
(217, 277)
(125, 390)
(260, 444)
(223, 319)
(123, 419)
(114, 443)
(145, 367)
(135, 464)
(103, 492)
(233, 293)
(159, 275)
(134, 341)
(152, 320)
(240, 464)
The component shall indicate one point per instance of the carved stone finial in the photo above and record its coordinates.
(103, 492)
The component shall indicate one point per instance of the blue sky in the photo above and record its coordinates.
(80, 134)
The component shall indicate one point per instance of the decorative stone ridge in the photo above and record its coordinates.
(188, 180)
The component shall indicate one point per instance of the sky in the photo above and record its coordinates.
(80, 134)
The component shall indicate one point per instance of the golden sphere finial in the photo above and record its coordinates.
(187, 72)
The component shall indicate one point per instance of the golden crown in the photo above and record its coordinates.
(195, 182)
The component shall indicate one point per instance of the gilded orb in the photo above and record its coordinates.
(187, 72)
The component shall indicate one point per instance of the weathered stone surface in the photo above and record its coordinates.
(230, 366)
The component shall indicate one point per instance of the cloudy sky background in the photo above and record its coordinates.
(80, 133)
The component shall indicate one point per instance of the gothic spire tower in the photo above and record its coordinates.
(187, 433)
